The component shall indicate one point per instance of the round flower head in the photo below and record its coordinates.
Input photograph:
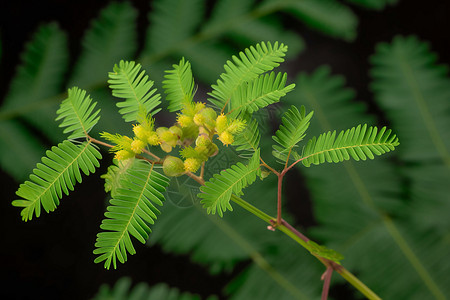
(221, 123)
(137, 146)
(140, 132)
(192, 164)
(226, 138)
(153, 138)
(185, 121)
(173, 166)
(123, 154)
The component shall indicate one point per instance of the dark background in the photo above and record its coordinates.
(34, 255)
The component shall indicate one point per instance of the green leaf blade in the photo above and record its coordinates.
(352, 142)
(179, 85)
(77, 114)
(49, 180)
(216, 193)
(131, 211)
(135, 88)
(251, 63)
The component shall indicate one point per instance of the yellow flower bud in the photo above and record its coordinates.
(226, 138)
(153, 138)
(198, 107)
(123, 154)
(140, 132)
(192, 164)
(177, 131)
(137, 146)
(173, 166)
(166, 147)
(199, 119)
(221, 123)
(202, 140)
(185, 121)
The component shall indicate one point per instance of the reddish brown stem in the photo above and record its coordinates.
(326, 277)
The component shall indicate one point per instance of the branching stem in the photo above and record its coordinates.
(326, 277)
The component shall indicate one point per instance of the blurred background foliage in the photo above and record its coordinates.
(389, 217)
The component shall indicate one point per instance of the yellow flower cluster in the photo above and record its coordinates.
(194, 131)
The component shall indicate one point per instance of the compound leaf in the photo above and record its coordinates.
(128, 83)
(77, 113)
(130, 212)
(57, 174)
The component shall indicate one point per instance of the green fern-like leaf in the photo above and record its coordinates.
(249, 138)
(373, 4)
(39, 77)
(179, 86)
(292, 130)
(131, 211)
(111, 37)
(77, 113)
(57, 174)
(128, 83)
(216, 193)
(123, 290)
(258, 93)
(359, 143)
(414, 91)
(172, 21)
(251, 63)
(328, 16)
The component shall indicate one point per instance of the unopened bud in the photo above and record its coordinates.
(173, 166)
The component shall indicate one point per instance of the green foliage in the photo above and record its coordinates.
(57, 174)
(250, 64)
(134, 87)
(251, 96)
(249, 138)
(359, 143)
(122, 290)
(77, 114)
(111, 37)
(414, 91)
(291, 132)
(179, 86)
(216, 193)
(383, 222)
(130, 212)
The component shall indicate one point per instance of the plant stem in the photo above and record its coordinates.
(286, 228)
(326, 277)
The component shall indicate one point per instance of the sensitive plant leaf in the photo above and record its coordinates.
(112, 36)
(266, 29)
(292, 130)
(414, 92)
(179, 86)
(122, 290)
(249, 138)
(373, 4)
(251, 63)
(358, 143)
(258, 93)
(172, 21)
(370, 195)
(128, 83)
(216, 193)
(21, 143)
(77, 114)
(327, 16)
(131, 211)
(57, 174)
(38, 79)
